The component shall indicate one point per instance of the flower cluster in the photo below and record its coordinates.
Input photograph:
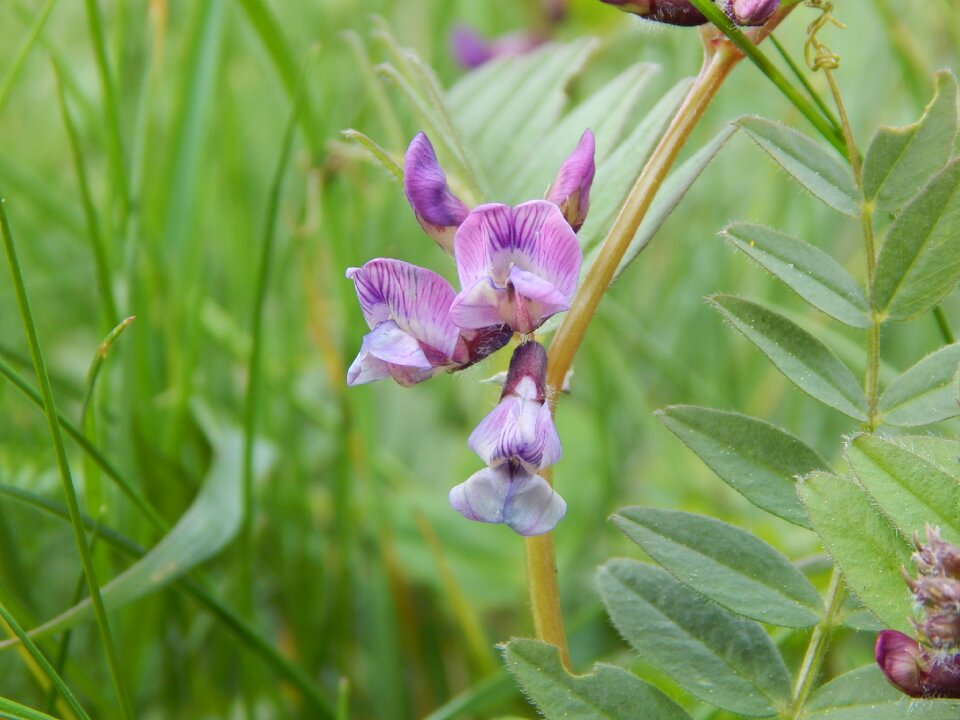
(683, 12)
(931, 667)
(517, 266)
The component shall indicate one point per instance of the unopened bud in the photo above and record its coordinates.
(916, 670)
(750, 12)
(670, 12)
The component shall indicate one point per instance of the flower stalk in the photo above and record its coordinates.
(720, 57)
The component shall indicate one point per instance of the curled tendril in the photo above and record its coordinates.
(818, 55)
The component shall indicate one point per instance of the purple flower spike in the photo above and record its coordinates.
(571, 190)
(408, 310)
(520, 429)
(510, 495)
(750, 12)
(517, 266)
(438, 210)
(915, 669)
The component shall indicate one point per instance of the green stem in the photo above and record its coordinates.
(46, 393)
(944, 324)
(55, 680)
(817, 649)
(802, 77)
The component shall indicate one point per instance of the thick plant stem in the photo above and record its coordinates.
(816, 650)
(717, 65)
(541, 561)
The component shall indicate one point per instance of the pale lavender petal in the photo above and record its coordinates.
(392, 345)
(536, 300)
(517, 430)
(367, 368)
(571, 190)
(468, 48)
(483, 246)
(479, 305)
(508, 494)
(546, 245)
(415, 298)
(438, 210)
(482, 496)
(532, 507)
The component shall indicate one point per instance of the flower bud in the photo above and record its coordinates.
(669, 12)
(750, 12)
(916, 670)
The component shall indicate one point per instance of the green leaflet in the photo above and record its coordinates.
(513, 102)
(756, 459)
(619, 171)
(797, 354)
(608, 112)
(723, 659)
(926, 393)
(863, 543)
(729, 565)
(10, 710)
(204, 529)
(865, 694)
(910, 491)
(806, 269)
(817, 169)
(900, 161)
(607, 693)
(919, 262)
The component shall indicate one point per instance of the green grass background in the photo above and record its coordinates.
(360, 572)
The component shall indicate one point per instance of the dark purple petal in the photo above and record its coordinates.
(897, 655)
(510, 495)
(571, 190)
(482, 342)
(670, 12)
(438, 210)
(750, 12)
(415, 298)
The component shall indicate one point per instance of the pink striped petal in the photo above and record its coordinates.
(545, 244)
(479, 305)
(535, 300)
(571, 190)
(483, 245)
(438, 210)
(415, 298)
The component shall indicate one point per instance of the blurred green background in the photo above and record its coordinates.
(358, 571)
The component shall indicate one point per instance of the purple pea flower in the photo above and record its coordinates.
(516, 440)
(521, 427)
(412, 337)
(517, 265)
(571, 190)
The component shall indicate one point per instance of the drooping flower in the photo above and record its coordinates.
(437, 209)
(929, 667)
(521, 427)
(516, 440)
(412, 337)
(517, 265)
(510, 495)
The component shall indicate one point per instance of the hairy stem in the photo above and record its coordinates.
(817, 649)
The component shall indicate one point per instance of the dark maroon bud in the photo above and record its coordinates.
(670, 12)
(529, 363)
